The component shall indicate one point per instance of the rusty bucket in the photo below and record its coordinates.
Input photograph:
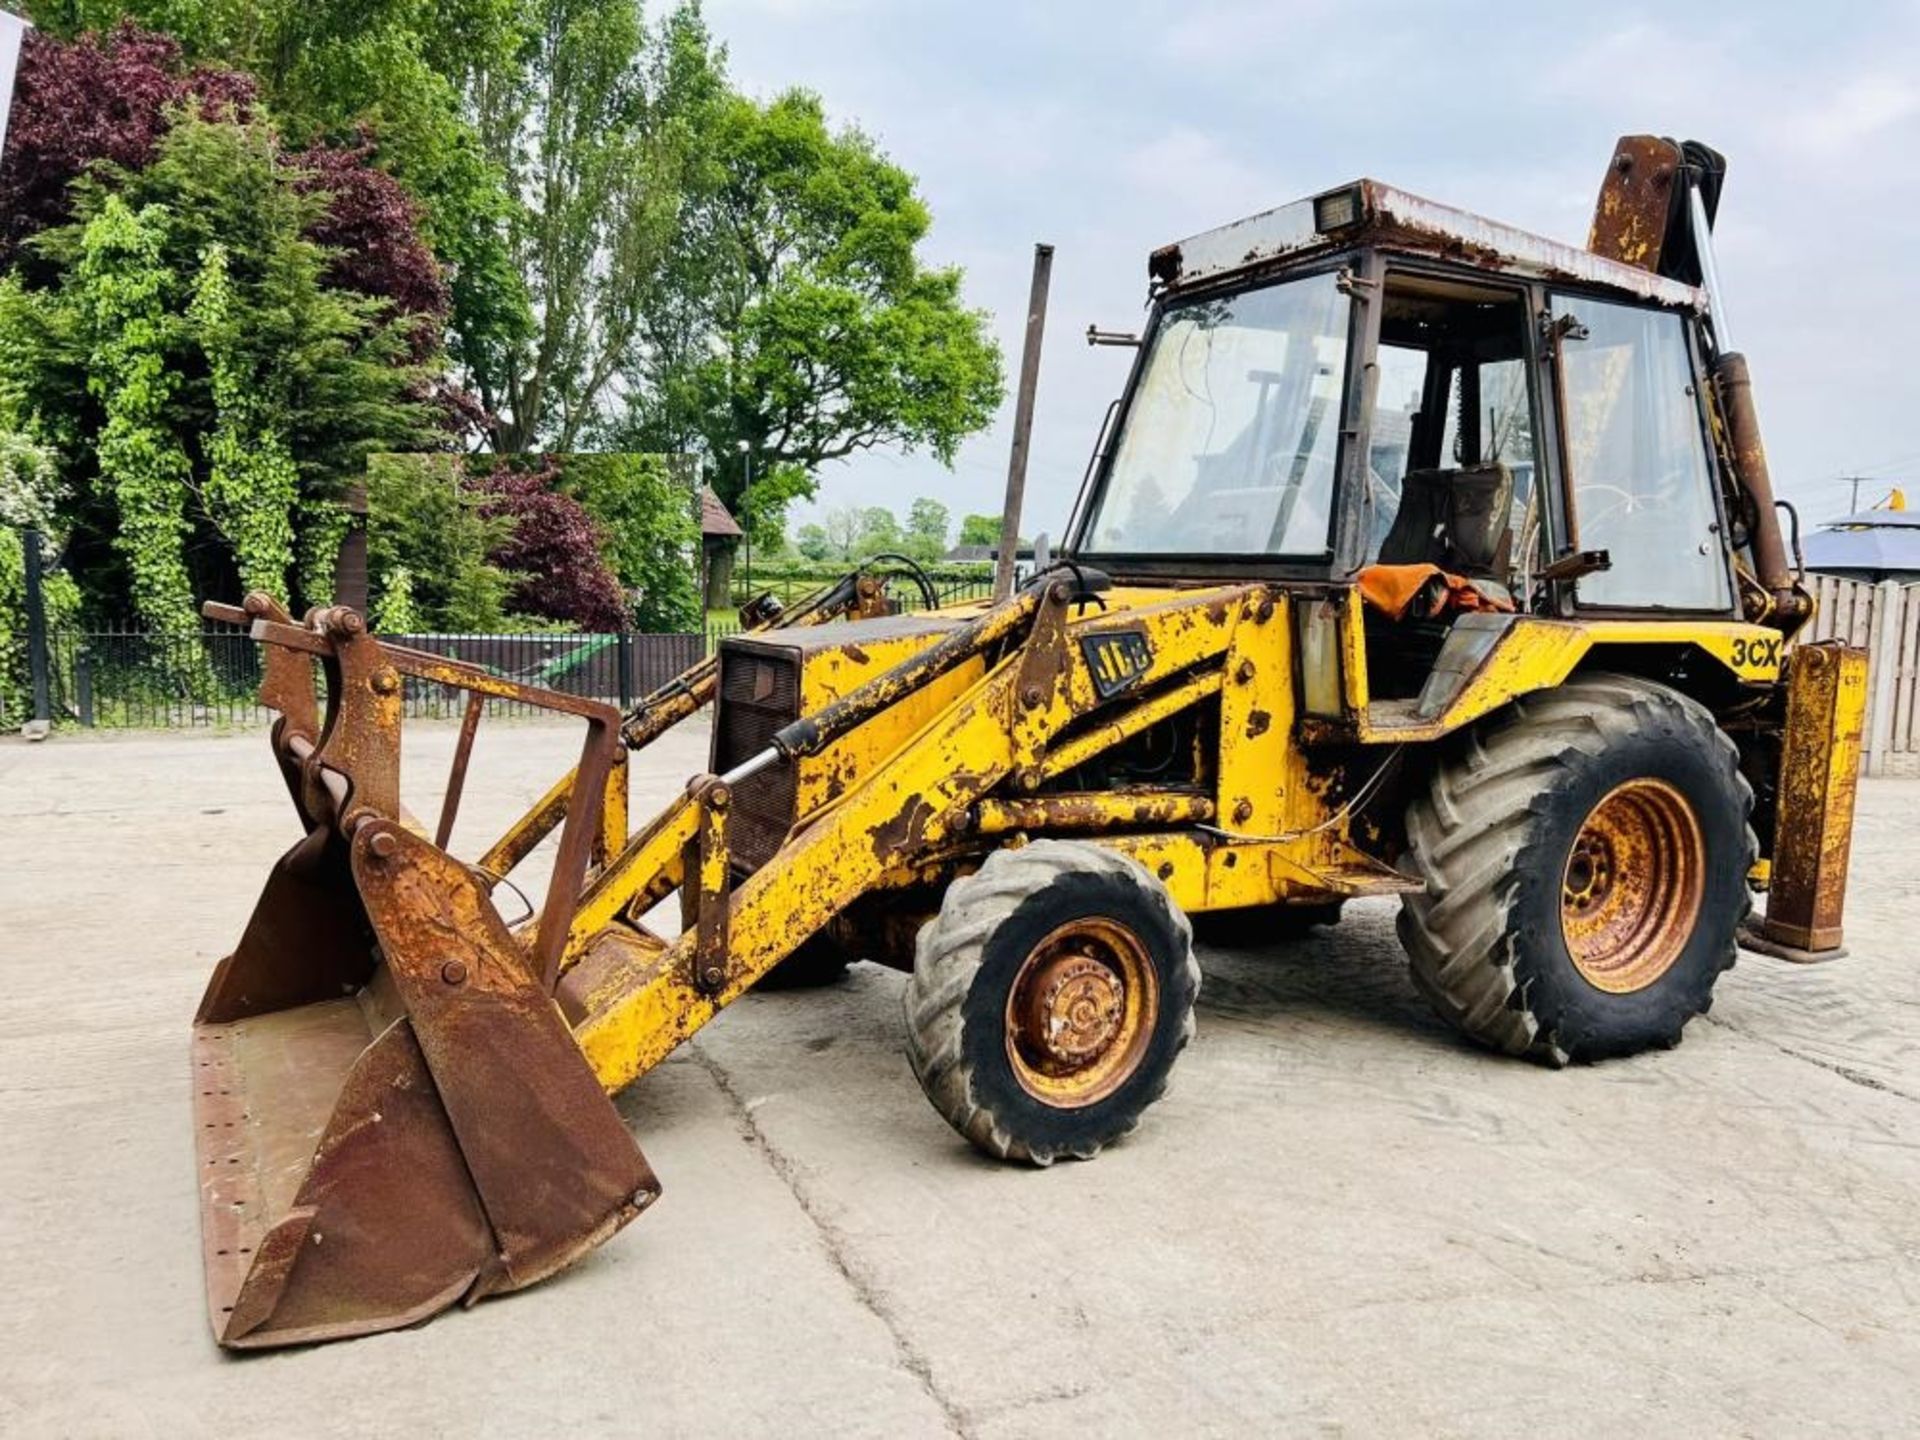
(390, 1111)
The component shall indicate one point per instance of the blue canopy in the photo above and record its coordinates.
(1873, 545)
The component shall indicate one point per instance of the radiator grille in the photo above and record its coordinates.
(759, 693)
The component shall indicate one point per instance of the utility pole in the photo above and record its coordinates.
(746, 526)
(1023, 421)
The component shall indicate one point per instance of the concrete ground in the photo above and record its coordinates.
(1341, 1221)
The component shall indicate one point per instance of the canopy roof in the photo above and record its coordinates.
(1397, 220)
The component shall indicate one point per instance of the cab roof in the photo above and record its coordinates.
(1368, 212)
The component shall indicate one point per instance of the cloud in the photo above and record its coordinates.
(1195, 180)
(1862, 110)
(1112, 126)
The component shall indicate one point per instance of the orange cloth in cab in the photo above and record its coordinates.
(1422, 591)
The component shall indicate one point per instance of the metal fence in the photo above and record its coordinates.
(128, 678)
(1883, 620)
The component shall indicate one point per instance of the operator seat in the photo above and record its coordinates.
(1460, 520)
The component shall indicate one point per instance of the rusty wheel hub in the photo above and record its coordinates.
(1081, 1012)
(1631, 890)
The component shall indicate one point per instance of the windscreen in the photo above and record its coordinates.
(1230, 440)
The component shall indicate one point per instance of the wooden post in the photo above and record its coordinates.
(36, 631)
(1023, 421)
(1883, 668)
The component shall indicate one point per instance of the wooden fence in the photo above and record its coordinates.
(1883, 620)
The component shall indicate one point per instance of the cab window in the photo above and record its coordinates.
(1638, 477)
(1230, 440)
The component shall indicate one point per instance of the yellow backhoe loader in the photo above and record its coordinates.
(1422, 557)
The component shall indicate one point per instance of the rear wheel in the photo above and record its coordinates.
(1585, 857)
(1049, 1000)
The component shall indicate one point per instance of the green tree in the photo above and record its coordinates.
(120, 292)
(206, 387)
(647, 507)
(927, 524)
(594, 134)
(843, 528)
(979, 529)
(812, 541)
(879, 530)
(427, 546)
(408, 74)
(802, 321)
(251, 486)
(30, 496)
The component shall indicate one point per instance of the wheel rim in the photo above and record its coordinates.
(1081, 1011)
(1631, 889)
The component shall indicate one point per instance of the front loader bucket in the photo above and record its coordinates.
(391, 1112)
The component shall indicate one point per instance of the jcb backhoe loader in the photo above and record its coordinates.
(1422, 557)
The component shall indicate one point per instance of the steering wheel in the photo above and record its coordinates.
(1653, 500)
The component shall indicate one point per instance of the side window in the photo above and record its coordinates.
(1396, 410)
(1637, 469)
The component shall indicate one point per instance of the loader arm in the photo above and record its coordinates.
(856, 595)
(638, 1005)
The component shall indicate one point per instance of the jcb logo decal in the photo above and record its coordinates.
(1116, 658)
(1760, 652)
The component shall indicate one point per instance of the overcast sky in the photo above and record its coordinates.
(1110, 128)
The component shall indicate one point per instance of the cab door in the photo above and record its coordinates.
(1638, 482)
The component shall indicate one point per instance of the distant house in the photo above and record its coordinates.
(1873, 545)
(990, 554)
(720, 534)
(986, 554)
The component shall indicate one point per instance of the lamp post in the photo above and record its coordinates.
(745, 447)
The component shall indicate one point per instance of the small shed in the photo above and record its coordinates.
(720, 535)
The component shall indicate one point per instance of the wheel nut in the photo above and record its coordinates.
(454, 972)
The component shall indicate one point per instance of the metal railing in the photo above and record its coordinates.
(128, 678)
(120, 677)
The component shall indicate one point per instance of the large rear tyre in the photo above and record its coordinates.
(1585, 856)
(1049, 1000)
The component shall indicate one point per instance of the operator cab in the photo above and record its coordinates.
(1368, 389)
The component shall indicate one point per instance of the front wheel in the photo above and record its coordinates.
(1585, 857)
(1049, 1000)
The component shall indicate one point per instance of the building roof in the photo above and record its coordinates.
(974, 554)
(715, 519)
(1883, 544)
(1402, 221)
